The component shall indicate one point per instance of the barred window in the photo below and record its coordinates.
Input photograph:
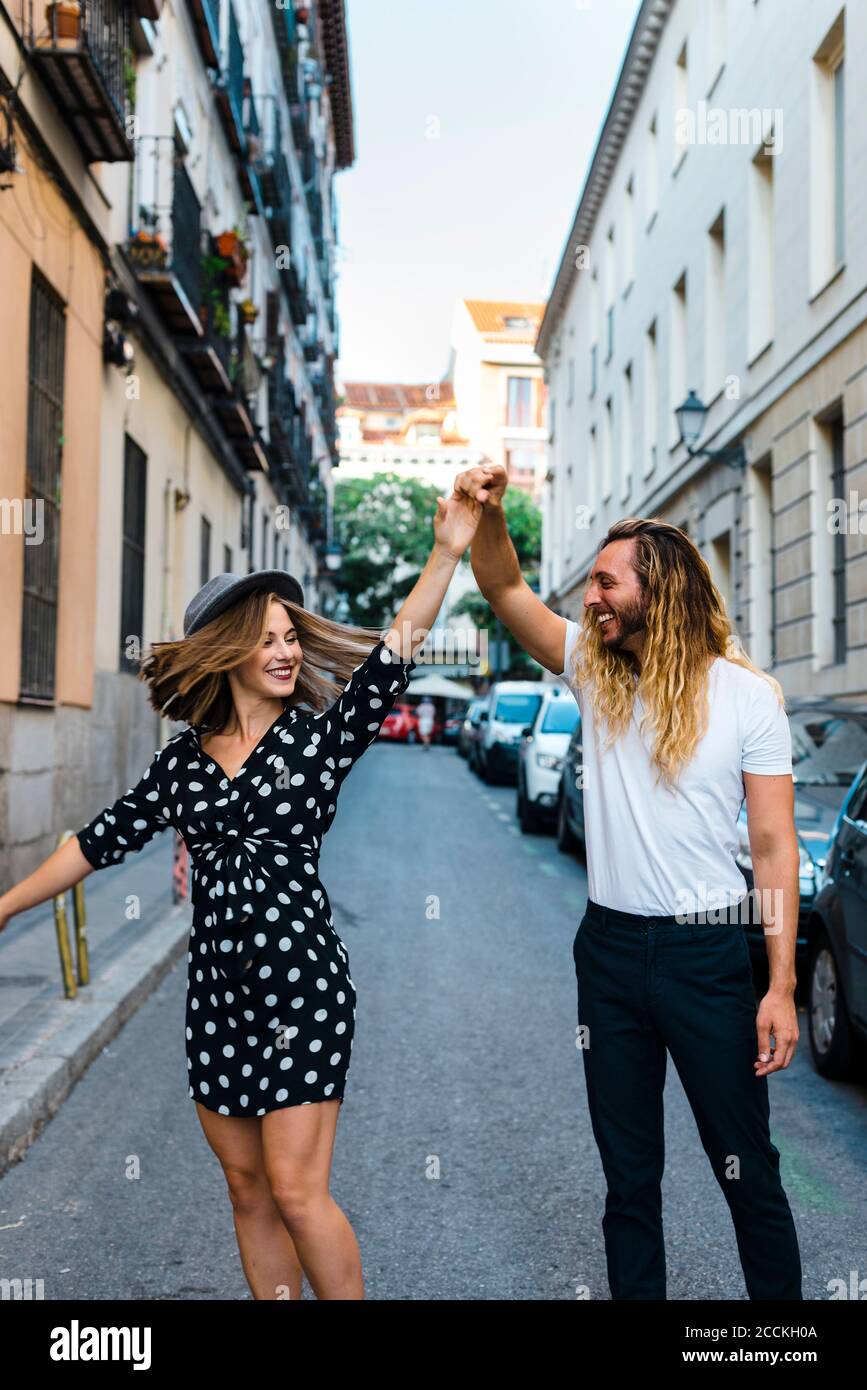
(133, 554)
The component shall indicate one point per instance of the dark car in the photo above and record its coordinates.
(469, 721)
(829, 745)
(570, 797)
(836, 932)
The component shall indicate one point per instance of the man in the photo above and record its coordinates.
(678, 727)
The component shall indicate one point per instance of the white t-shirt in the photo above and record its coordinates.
(660, 851)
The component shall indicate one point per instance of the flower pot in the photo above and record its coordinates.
(235, 254)
(249, 311)
(302, 14)
(64, 19)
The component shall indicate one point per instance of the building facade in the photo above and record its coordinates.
(499, 386)
(717, 249)
(168, 230)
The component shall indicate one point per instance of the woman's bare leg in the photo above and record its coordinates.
(268, 1255)
(298, 1142)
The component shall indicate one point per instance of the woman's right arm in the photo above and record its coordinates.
(61, 870)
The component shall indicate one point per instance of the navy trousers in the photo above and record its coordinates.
(651, 984)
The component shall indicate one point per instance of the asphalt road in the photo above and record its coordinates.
(464, 1157)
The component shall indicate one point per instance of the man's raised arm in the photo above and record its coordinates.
(540, 631)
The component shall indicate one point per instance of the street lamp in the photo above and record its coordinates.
(690, 417)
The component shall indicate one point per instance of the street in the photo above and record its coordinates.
(464, 1155)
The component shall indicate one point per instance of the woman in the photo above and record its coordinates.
(251, 784)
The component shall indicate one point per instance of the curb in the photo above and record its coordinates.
(78, 1030)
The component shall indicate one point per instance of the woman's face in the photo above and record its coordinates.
(273, 668)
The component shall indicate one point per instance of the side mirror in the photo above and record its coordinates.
(483, 717)
(526, 731)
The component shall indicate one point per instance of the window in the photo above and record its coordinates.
(609, 294)
(276, 564)
(681, 99)
(651, 399)
(827, 486)
(716, 41)
(227, 559)
(594, 368)
(677, 354)
(132, 565)
(760, 272)
(264, 540)
(715, 310)
(570, 392)
(652, 171)
(520, 399)
(629, 234)
(761, 576)
(205, 551)
(42, 488)
(626, 436)
(514, 321)
(827, 157)
(592, 470)
(521, 463)
(607, 449)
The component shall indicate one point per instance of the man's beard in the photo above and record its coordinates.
(630, 619)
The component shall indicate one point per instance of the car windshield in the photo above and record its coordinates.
(827, 749)
(560, 717)
(517, 709)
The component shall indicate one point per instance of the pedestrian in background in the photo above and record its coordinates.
(426, 714)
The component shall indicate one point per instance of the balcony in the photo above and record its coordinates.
(164, 245)
(206, 20)
(81, 60)
(230, 89)
(286, 36)
(273, 179)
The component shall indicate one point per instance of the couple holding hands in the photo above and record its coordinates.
(679, 728)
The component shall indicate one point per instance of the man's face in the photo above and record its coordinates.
(616, 599)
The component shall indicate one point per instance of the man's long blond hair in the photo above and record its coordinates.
(686, 626)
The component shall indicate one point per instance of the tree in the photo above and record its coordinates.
(385, 528)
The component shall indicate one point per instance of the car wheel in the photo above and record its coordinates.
(833, 1044)
(528, 818)
(566, 839)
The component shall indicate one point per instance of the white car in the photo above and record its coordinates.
(512, 705)
(540, 758)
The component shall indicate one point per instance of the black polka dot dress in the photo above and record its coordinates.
(270, 1001)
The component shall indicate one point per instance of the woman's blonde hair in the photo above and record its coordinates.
(686, 625)
(188, 677)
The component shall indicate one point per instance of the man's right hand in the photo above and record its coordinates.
(486, 483)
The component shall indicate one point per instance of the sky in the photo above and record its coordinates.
(475, 121)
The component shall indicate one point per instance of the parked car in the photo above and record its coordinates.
(829, 745)
(540, 758)
(570, 797)
(477, 729)
(400, 725)
(836, 932)
(468, 723)
(452, 728)
(512, 706)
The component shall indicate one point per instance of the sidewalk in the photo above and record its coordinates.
(48, 1041)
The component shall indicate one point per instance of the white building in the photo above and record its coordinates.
(499, 385)
(718, 247)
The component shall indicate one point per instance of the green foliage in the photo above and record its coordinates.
(385, 527)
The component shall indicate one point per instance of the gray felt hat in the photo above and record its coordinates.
(223, 590)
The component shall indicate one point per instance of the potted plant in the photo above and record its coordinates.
(249, 311)
(147, 248)
(64, 19)
(129, 76)
(234, 251)
(302, 14)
